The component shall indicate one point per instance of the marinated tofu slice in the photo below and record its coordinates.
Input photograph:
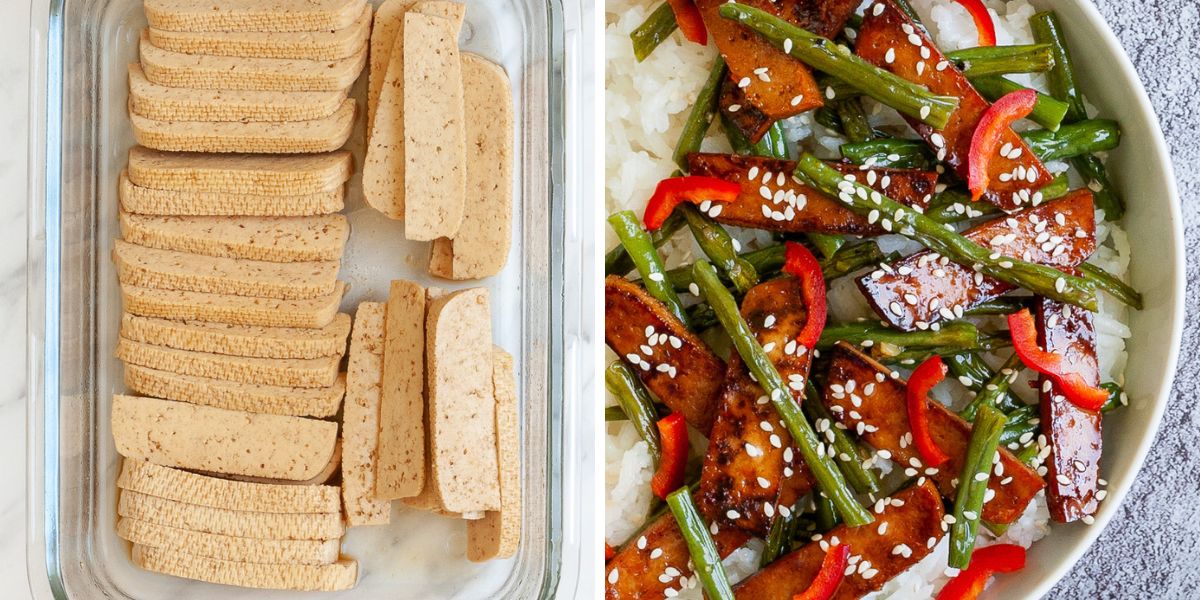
(1073, 434)
(748, 475)
(252, 15)
(678, 367)
(891, 40)
(775, 83)
(867, 398)
(330, 44)
(284, 372)
(926, 288)
(656, 560)
(772, 199)
(227, 547)
(360, 419)
(235, 310)
(249, 397)
(274, 239)
(164, 103)
(235, 522)
(907, 527)
(184, 486)
(250, 174)
(238, 340)
(341, 575)
(400, 472)
(498, 533)
(741, 113)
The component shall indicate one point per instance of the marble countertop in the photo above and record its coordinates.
(1150, 550)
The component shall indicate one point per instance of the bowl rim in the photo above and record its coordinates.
(1118, 493)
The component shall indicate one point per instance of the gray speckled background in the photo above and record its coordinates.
(1152, 548)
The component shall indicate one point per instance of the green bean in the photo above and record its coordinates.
(1104, 193)
(854, 258)
(779, 539)
(1113, 285)
(827, 244)
(1047, 112)
(907, 9)
(890, 153)
(853, 119)
(705, 558)
(828, 478)
(955, 334)
(987, 61)
(995, 391)
(1116, 397)
(699, 120)
(614, 414)
(1027, 453)
(635, 402)
(1076, 139)
(826, 512)
(823, 55)
(1047, 30)
(768, 261)
(995, 340)
(1040, 279)
(718, 246)
(828, 118)
(975, 374)
(862, 479)
(955, 206)
(998, 306)
(641, 249)
(737, 141)
(1022, 421)
(617, 261)
(973, 484)
(773, 144)
(657, 27)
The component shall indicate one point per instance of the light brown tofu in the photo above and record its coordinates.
(341, 575)
(360, 419)
(498, 533)
(400, 471)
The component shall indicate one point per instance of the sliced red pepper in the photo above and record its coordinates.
(983, 21)
(1073, 386)
(833, 571)
(996, 120)
(924, 378)
(673, 436)
(609, 552)
(800, 262)
(687, 16)
(693, 188)
(985, 562)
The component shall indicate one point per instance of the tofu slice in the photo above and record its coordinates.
(153, 101)
(498, 533)
(251, 15)
(227, 547)
(434, 137)
(480, 248)
(250, 174)
(150, 201)
(383, 171)
(325, 134)
(231, 395)
(430, 497)
(400, 472)
(341, 575)
(184, 486)
(272, 239)
(332, 468)
(329, 44)
(171, 270)
(239, 523)
(240, 340)
(462, 408)
(188, 436)
(285, 372)
(235, 310)
(360, 419)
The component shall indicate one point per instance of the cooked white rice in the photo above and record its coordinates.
(646, 105)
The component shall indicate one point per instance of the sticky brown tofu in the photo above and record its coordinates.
(638, 570)
(926, 288)
(1073, 434)
(786, 87)
(749, 474)
(799, 208)
(865, 397)
(889, 34)
(754, 112)
(910, 524)
(695, 387)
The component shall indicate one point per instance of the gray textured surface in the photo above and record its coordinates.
(1152, 548)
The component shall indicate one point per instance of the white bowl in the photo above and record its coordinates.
(1141, 168)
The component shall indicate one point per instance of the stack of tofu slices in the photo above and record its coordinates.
(228, 264)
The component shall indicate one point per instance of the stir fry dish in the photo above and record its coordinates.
(867, 314)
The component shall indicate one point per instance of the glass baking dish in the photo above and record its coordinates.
(80, 138)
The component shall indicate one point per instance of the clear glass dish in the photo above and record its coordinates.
(80, 138)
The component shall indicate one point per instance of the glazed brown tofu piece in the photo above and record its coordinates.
(755, 107)
(751, 471)
(659, 552)
(906, 528)
(691, 382)
(890, 40)
(1073, 434)
(926, 288)
(870, 399)
(772, 199)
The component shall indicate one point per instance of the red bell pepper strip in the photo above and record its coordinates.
(693, 188)
(1073, 386)
(985, 562)
(609, 552)
(798, 261)
(833, 571)
(687, 16)
(992, 125)
(924, 378)
(673, 435)
(983, 21)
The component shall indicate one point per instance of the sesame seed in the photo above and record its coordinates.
(787, 45)
(613, 577)
(744, 82)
